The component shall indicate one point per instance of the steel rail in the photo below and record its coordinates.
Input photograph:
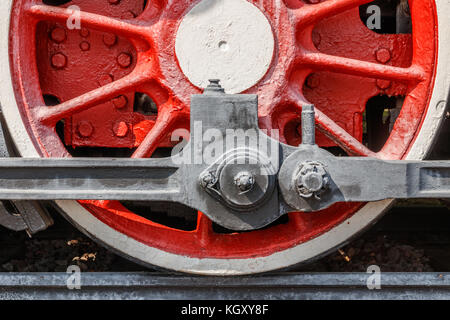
(281, 286)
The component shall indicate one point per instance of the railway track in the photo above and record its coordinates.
(285, 286)
(124, 280)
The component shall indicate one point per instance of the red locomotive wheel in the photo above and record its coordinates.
(115, 79)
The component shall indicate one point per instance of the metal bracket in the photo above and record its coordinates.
(361, 179)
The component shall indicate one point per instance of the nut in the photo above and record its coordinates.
(109, 39)
(244, 181)
(58, 35)
(85, 129)
(207, 180)
(124, 60)
(120, 102)
(120, 129)
(312, 180)
(85, 46)
(383, 55)
(383, 84)
(59, 60)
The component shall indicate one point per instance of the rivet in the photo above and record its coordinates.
(85, 129)
(312, 81)
(120, 129)
(128, 15)
(383, 55)
(105, 79)
(312, 180)
(59, 60)
(84, 32)
(109, 39)
(120, 102)
(383, 84)
(58, 35)
(124, 60)
(85, 46)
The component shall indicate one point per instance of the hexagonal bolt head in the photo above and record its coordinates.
(124, 60)
(244, 181)
(207, 180)
(383, 55)
(58, 35)
(311, 180)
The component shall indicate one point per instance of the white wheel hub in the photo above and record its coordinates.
(230, 40)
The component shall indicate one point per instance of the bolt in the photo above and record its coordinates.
(312, 180)
(109, 39)
(207, 180)
(244, 181)
(120, 102)
(383, 84)
(85, 129)
(85, 46)
(124, 60)
(59, 60)
(214, 87)
(313, 81)
(84, 32)
(58, 35)
(120, 129)
(105, 79)
(383, 55)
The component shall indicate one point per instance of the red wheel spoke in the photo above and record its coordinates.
(163, 126)
(341, 137)
(88, 20)
(204, 229)
(325, 62)
(310, 14)
(51, 115)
